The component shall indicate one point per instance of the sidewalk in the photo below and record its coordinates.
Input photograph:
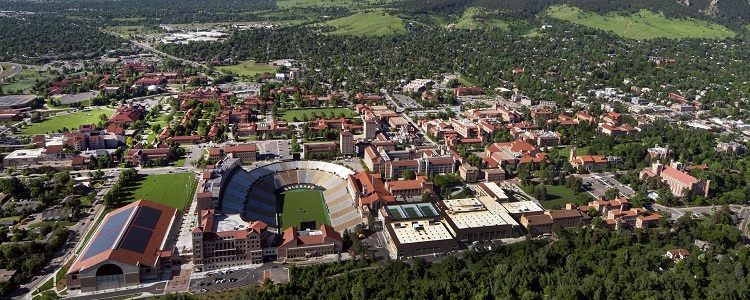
(78, 293)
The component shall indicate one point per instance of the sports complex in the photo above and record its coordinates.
(304, 194)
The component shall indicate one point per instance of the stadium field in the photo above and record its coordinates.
(302, 205)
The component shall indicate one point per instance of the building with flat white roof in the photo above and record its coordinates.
(417, 85)
(492, 190)
(419, 231)
(470, 220)
(516, 209)
(25, 157)
(415, 229)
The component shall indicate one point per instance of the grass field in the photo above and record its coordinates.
(302, 205)
(24, 80)
(129, 30)
(367, 23)
(467, 20)
(290, 114)
(174, 190)
(643, 25)
(248, 68)
(326, 3)
(70, 121)
(558, 196)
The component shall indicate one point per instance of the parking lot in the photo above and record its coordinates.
(406, 101)
(274, 149)
(227, 279)
(598, 184)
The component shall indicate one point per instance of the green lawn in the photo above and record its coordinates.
(69, 121)
(180, 162)
(45, 286)
(300, 206)
(246, 138)
(643, 25)
(367, 23)
(16, 218)
(558, 196)
(174, 190)
(290, 114)
(248, 68)
(465, 82)
(61, 273)
(565, 152)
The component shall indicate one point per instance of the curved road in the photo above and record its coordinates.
(16, 68)
(152, 49)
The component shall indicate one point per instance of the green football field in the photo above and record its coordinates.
(302, 205)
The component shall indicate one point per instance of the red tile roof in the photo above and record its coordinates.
(538, 219)
(678, 175)
(150, 255)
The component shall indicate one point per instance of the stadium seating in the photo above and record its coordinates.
(253, 193)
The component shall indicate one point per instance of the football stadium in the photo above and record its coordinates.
(304, 194)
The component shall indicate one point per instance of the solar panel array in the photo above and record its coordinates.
(147, 217)
(137, 239)
(141, 230)
(137, 236)
(108, 234)
(116, 221)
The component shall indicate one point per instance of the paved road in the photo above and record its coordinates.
(15, 69)
(407, 117)
(678, 212)
(152, 49)
(155, 289)
(744, 219)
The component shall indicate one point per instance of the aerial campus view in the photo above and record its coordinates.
(374, 149)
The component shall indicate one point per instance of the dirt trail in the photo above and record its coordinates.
(627, 29)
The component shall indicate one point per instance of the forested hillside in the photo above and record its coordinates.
(51, 38)
(732, 13)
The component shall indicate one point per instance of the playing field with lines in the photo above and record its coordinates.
(302, 205)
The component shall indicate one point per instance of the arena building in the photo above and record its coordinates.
(129, 247)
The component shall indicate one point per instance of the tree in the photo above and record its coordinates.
(540, 192)
(612, 193)
(408, 174)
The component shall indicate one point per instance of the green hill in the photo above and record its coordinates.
(642, 25)
(367, 23)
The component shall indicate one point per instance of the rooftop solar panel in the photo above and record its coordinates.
(101, 243)
(136, 239)
(116, 221)
(147, 217)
